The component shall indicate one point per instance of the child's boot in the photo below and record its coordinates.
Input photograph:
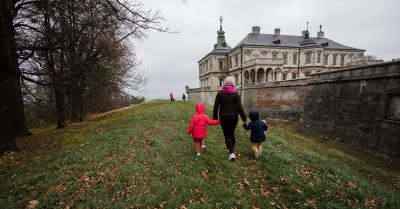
(203, 148)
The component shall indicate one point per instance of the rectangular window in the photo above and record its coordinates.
(394, 108)
(334, 59)
(236, 79)
(275, 56)
(221, 64)
(285, 59)
(319, 58)
(236, 61)
(308, 58)
(230, 63)
(342, 60)
(294, 59)
(293, 75)
(326, 58)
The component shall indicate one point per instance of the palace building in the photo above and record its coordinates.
(262, 58)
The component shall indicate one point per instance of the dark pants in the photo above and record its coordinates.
(228, 127)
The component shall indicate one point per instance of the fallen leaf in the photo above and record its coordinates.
(160, 206)
(246, 182)
(183, 207)
(274, 189)
(352, 185)
(205, 173)
(32, 204)
(370, 202)
(313, 202)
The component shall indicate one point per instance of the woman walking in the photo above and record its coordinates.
(227, 106)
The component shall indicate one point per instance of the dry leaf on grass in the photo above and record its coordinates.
(32, 204)
(313, 202)
(352, 185)
(205, 174)
(370, 202)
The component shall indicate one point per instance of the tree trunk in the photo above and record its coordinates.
(7, 136)
(77, 103)
(77, 95)
(60, 104)
(19, 125)
(17, 108)
(59, 93)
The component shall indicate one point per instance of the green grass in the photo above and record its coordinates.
(141, 157)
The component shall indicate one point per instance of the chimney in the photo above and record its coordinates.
(256, 29)
(277, 31)
(320, 34)
(303, 33)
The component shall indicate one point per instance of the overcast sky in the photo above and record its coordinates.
(170, 60)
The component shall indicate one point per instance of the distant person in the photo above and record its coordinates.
(171, 96)
(258, 132)
(227, 106)
(198, 127)
(184, 97)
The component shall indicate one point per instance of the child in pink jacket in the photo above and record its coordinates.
(198, 127)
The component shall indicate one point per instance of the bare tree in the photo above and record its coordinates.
(65, 46)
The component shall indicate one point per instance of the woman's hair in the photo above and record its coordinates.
(230, 80)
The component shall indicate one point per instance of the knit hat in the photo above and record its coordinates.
(230, 80)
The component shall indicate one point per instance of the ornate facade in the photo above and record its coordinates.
(261, 58)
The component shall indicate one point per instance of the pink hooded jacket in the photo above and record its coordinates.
(198, 124)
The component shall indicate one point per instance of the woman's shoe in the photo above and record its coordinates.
(232, 156)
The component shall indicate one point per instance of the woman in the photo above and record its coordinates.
(227, 106)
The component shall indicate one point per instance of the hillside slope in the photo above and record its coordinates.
(141, 157)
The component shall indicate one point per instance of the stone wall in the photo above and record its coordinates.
(284, 99)
(202, 95)
(350, 105)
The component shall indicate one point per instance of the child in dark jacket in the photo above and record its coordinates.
(198, 127)
(258, 132)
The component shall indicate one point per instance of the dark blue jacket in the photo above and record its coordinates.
(257, 127)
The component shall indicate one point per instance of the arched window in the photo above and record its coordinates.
(252, 76)
(260, 75)
(246, 77)
(278, 74)
(270, 75)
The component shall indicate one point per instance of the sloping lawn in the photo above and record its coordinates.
(141, 157)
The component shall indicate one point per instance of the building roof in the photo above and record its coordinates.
(290, 41)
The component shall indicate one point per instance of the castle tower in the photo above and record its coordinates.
(221, 43)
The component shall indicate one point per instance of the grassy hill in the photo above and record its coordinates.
(141, 157)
